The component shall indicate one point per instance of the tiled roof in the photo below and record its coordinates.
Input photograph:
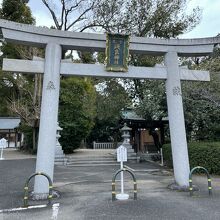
(9, 122)
(130, 114)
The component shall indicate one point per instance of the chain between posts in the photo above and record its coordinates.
(208, 177)
(27, 183)
(113, 183)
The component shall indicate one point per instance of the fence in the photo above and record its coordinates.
(105, 145)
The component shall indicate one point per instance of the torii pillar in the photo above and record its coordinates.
(176, 121)
(48, 118)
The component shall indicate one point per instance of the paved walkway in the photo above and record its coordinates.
(84, 153)
(86, 194)
(16, 154)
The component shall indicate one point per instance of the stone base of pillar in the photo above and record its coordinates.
(175, 186)
(43, 196)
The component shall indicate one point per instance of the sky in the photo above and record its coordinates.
(208, 27)
(210, 22)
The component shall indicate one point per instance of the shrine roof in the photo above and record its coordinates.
(130, 114)
(9, 122)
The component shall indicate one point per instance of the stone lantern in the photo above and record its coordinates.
(126, 143)
(126, 135)
(59, 155)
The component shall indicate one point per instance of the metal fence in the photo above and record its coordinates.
(105, 145)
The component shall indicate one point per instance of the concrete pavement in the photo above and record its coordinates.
(86, 194)
(15, 154)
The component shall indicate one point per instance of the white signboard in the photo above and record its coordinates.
(3, 143)
(121, 154)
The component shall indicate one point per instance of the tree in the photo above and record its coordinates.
(18, 11)
(152, 18)
(146, 18)
(76, 111)
(202, 102)
(111, 99)
(24, 91)
(77, 98)
(71, 14)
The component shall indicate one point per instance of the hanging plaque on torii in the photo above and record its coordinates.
(117, 52)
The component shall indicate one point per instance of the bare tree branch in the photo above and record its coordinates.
(73, 7)
(90, 26)
(80, 18)
(62, 14)
(53, 14)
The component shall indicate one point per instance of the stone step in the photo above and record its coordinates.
(60, 158)
(87, 162)
(90, 159)
(108, 160)
(92, 165)
(129, 151)
(133, 158)
(91, 162)
(60, 161)
(149, 156)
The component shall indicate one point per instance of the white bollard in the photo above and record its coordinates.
(122, 178)
(1, 158)
(3, 144)
(161, 156)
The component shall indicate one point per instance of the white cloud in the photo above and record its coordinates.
(43, 19)
(41, 13)
(210, 23)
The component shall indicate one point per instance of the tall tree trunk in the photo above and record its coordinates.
(36, 103)
(34, 138)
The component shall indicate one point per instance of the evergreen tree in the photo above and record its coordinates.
(20, 96)
(76, 111)
(16, 10)
(142, 18)
(202, 100)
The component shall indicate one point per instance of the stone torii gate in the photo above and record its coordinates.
(52, 66)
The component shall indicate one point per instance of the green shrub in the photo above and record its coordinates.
(205, 154)
(76, 111)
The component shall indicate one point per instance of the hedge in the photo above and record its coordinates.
(206, 154)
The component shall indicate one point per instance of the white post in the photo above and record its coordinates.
(48, 118)
(3, 144)
(122, 179)
(1, 158)
(176, 120)
(161, 156)
(93, 144)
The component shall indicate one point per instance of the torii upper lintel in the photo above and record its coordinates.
(41, 36)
